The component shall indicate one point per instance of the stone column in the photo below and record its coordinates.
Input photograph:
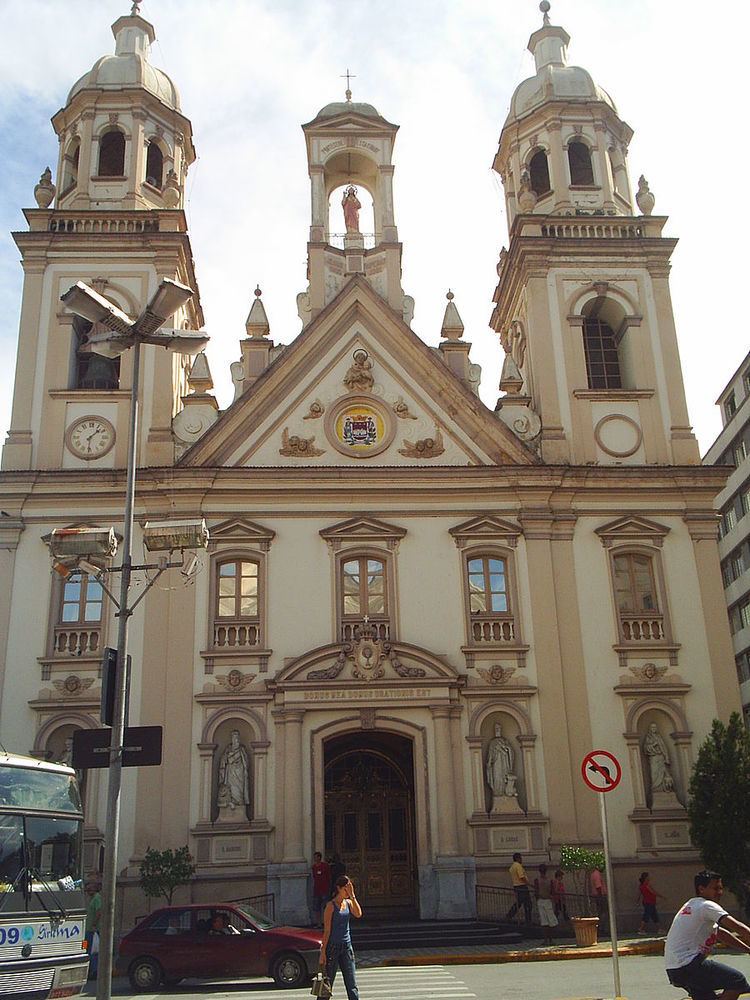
(88, 157)
(683, 743)
(18, 448)
(260, 769)
(279, 775)
(526, 742)
(206, 753)
(477, 776)
(636, 770)
(458, 780)
(319, 217)
(135, 167)
(558, 172)
(600, 152)
(385, 224)
(293, 787)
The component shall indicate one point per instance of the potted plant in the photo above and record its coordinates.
(580, 863)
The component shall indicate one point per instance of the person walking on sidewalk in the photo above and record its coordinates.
(599, 892)
(544, 904)
(521, 889)
(698, 925)
(336, 948)
(321, 886)
(648, 896)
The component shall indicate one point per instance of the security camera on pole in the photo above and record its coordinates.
(116, 333)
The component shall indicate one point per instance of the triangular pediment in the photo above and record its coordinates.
(363, 529)
(358, 388)
(242, 531)
(485, 527)
(366, 663)
(632, 528)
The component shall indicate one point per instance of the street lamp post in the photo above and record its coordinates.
(119, 334)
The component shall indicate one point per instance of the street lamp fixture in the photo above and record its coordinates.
(165, 536)
(113, 333)
(92, 542)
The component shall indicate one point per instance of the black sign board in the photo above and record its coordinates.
(142, 747)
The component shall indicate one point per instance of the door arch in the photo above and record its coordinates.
(369, 817)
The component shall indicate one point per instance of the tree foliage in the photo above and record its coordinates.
(719, 806)
(580, 862)
(163, 871)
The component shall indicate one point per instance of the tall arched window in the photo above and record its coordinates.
(489, 598)
(154, 165)
(70, 166)
(112, 154)
(539, 173)
(90, 370)
(364, 593)
(640, 616)
(600, 344)
(237, 591)
(78, 622)
(579, 160)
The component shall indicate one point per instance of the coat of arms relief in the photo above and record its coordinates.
(369, 659)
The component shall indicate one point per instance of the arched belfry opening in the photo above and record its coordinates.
(350, 144)
(370, 817)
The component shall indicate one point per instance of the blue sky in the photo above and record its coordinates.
(251, 72)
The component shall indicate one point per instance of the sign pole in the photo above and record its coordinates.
(610, 897)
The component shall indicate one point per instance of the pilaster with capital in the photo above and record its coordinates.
(293, 785)
(633, 743)
(526, 742)
(206, 753)
(444, 781)
(606, 181)
(260, 772)
(558, 173)
(458, 779)
(477, 777)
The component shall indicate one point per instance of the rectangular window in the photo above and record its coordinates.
(488, 586)
(730, 406)
(745, 614)
(746, 382)
(729, 519)
(743, 667)
(740, 451)
(237, 595)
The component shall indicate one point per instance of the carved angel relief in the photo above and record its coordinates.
(235, 680)
(426, 448)
(496, 674)
(316, 410)
(73, 686)
(649, 671)
(402, 411)
(294, 446)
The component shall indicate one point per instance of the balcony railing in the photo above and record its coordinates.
(492, 628)
(378, 629)
(236, 634)
(642, 628)
(77, 640)
(82, 224)
(593, 230)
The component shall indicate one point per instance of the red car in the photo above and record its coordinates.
(216, 941)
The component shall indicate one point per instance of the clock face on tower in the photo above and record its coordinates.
(90, 437)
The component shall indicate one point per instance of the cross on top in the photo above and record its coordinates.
(348, 77)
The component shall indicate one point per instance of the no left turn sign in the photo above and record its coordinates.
(601, 770)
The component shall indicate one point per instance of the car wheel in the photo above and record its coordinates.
(289, 971)
(145, 975)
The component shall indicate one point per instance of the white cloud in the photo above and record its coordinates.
(250, 72)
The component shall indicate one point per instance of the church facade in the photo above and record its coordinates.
(416, 615)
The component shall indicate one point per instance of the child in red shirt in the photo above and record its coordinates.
(648, 896)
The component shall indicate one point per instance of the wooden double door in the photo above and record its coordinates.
(369, 824)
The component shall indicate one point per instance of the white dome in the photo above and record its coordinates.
(556, 83)
(554, 79)
(129, 66)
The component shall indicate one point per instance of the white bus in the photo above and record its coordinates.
(42, 907)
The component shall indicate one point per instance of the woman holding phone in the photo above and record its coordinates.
(336, 949)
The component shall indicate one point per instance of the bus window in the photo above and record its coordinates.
(26, 789)
(54, 852)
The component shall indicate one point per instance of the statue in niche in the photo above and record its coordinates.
(234, 778)
(500, 775)
(657, 758)
(351, 205)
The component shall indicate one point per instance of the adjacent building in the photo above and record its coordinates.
(417, 614)
(732, 448)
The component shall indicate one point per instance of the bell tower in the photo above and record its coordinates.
(350, 148)
(582, 305)
(114, 220)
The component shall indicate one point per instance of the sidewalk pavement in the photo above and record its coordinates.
(493, 954)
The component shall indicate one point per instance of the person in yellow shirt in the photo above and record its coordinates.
(521, 888)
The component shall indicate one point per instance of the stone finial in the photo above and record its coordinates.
(511, 379)
(257, 322)
(644, 198)
(453, 327)
(544, 8)
(135, 10)
(44, 191)
(199, 379)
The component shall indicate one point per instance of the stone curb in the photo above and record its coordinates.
(548, 955)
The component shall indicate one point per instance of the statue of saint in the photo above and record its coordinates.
(351, 205)
(234, 775)
(499, 767)
(657, 756)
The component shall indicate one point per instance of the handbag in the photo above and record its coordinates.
(321, 987)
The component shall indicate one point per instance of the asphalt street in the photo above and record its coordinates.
(642, 978)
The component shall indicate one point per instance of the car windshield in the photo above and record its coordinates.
(40, 859)
(259, 919)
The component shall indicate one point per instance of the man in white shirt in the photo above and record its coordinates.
(698, 925)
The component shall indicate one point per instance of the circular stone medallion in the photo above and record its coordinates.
(359, 426)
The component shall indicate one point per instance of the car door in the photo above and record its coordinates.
(223, 956)
(167, 939)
